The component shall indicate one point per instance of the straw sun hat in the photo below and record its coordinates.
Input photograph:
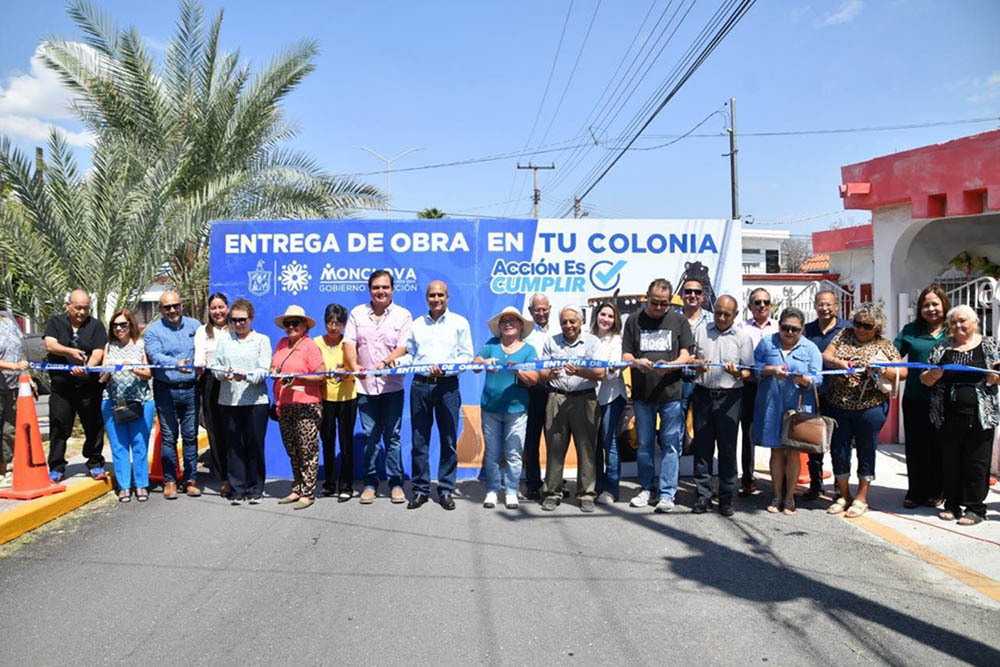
(526, 323)
(294, 311)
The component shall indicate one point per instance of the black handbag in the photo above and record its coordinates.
(126, 411)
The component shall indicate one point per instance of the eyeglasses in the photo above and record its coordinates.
(658, 304)
(511, 322)
(761, 302)
(171, 306)
(867, 326)
(692, 292)
(119, 325)
(239, 320)
(789, 329)
(291, 324)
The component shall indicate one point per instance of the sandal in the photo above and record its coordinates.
(142, 495)
(856, 509)
(837, 506)
(947, 515)
(304, 502)
(775, 506)
(124, 496)
(289, 499)
(971, 519)
(789, 508)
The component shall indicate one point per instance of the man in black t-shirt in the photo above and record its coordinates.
(657, 335)
(76, 338)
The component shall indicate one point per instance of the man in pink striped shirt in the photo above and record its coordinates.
(374, 331)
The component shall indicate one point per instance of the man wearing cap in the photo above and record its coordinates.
(571, 410)
(170, 342)
(540, 309)
(12, 364)
(374, 331)
(655, 336)
(440, 336)
(75, 338)
(717, 395)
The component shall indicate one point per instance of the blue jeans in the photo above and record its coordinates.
(381, 418)
(861, 426)
(178, 411)
(606, 457)
(503, 434)
(431, 403)
(671, 425)
(129, 443)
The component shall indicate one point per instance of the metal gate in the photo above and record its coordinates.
(804, 298)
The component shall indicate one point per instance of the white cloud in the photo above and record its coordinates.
(993, 80)
(36, 129)
(849, 10)
(984, 90)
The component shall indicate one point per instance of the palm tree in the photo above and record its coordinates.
(178, 145)
(430, 214)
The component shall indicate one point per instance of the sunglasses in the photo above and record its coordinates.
(291, 324)
(692, 292)
(119, 325)
(789, 329)
(658, 304)
(239, 320)
(761, 302)
(171, 306)
(866, 326)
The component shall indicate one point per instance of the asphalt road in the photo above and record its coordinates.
(196, 581)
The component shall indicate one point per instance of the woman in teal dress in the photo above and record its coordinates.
(923, 457)
(787, 364)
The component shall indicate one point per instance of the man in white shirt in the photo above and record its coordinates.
(438, 337)
(759, 325)
(540, 309)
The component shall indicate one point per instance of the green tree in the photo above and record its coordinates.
(195, 138)
(430, 214)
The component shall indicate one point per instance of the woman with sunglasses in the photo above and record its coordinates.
(965, 410)
(206, 340)
(856, 402)
(788, 364)
(128, 407)
(242, 359)
(923, 457)
(298, 400)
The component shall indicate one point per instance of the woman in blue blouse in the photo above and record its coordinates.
(242, 360)
(504, 405)
(787, 364)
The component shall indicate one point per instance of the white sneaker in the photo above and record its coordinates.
(665, 505)
(641, 500)
(491, 500)
(510, 500)
(605, 498)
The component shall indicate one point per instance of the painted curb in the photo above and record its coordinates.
(34, 513)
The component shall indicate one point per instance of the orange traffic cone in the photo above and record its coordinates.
(156, 458)
(31, 471)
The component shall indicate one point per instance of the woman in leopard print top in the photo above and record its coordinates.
(856, 402)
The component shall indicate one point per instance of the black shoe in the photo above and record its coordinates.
(550, 503)
(327, 491)
(813, 493)
(533, 495)
(417, 501)
(447, 502)
(699, 507)
(726, 510)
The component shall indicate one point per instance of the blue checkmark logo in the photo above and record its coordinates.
(606, 279)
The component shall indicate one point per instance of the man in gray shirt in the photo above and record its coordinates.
(717, 403)
(571, 410)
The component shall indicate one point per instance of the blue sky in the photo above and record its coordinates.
(466, 80)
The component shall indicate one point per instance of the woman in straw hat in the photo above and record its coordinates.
(298, 401)
(505, 402)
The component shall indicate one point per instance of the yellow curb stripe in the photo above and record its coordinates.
(977, 580)
(33, 513)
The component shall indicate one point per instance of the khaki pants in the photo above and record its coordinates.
(577, 416)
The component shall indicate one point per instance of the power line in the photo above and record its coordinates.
(844, 130)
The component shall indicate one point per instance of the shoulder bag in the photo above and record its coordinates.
(808, 432)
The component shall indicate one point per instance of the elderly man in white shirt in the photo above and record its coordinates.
(717, 403)
(438, 337)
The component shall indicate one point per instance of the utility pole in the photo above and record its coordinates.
(733, 174)
(576, 207)
(538, 193)
(388, 169)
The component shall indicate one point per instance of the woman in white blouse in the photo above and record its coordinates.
(206, 340)
(242, 360)
(606, 324)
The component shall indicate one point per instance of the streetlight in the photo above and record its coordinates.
(388, 170)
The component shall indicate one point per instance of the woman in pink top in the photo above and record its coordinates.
(298, 401)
